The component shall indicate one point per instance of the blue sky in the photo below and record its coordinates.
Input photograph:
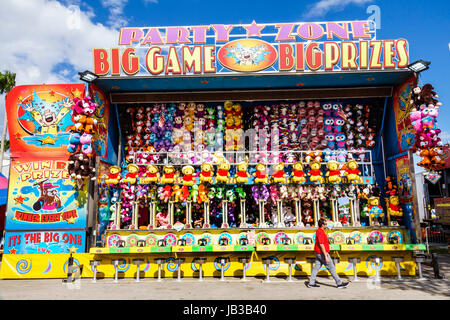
(48, 41)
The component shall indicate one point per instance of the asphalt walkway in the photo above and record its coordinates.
(233, 289)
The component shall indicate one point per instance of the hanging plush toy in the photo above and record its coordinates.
(260, 174)
(352, 172)
(168, 175)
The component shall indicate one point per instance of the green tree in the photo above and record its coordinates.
(7, 82)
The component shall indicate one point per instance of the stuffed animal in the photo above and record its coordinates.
(74, 142)
(132, 174)
(394, 209)
(206, 172)
(333, 172)
(169, 174)
(223, 171)
(429, 115)
(375, 210)
(260, 173)
(241, 172)
(279, 176)
(315, 174)
(352, 172)
(114, 176)
(188, 175)
(298, 175)
(151, 175)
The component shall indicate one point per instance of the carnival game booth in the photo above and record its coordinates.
(221, 164)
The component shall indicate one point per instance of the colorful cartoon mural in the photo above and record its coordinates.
(42, 196)
(39, 118)
(402, 108)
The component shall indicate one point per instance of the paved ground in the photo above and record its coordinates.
(232, 289)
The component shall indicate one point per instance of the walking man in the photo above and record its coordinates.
(322, 249)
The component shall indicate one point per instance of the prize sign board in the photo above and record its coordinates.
(41, 195)
(256, 47)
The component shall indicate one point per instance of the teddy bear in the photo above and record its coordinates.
(315, 174)
(74, 165)
(169, 174)
(223, 171)
(132, 174)
(394, 210)
(206, 172)
(374, 209)
(298, 175)
(188, 175)
(241, 172)
(352, 172)
(279, 176)
(333, 172)
(260, 173)
(151, 175)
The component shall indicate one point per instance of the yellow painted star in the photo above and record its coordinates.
(77, 93)
(47, 140)
(71, 220)
(73, 250)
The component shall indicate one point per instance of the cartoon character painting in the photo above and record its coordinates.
(49, 197)
(47, 116)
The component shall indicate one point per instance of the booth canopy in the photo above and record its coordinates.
(343, 84)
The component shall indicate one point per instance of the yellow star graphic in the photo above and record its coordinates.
(71, 220)
(73, 250)
(77, 93)
(47, 140)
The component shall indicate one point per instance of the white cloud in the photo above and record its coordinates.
(116, 18)
(45, 41)
(322, 7)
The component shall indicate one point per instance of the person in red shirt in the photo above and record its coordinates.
(322, 251)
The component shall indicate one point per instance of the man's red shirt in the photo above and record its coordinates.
(321, 238)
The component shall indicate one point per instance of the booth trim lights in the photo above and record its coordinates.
(88, 162)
